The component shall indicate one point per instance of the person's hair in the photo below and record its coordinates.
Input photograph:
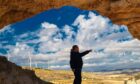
(73, 48)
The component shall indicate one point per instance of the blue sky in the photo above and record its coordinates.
(46, 40)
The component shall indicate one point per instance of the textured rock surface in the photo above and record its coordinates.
(10, 73)
(120, 11)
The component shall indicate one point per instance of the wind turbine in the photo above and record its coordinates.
(8, 55)
(48, 64)
(36, 65)
(30, 59)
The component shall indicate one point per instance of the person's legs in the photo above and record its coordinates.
(78, 77)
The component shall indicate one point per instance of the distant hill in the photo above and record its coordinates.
(120, 11)
(10, 73)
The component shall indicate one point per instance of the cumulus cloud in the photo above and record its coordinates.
(112, 44)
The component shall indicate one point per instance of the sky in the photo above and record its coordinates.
(45, 40)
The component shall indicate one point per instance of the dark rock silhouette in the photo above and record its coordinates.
(10, 73)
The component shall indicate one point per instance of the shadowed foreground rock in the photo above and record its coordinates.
(10, 73)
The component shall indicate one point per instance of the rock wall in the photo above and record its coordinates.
(10, 73)
(125, 12)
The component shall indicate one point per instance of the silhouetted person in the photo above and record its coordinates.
(76, 63)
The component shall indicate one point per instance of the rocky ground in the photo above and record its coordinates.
(10, 73)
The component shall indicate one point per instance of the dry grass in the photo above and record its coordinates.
(66, 77)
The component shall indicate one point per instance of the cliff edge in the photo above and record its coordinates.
(10, 73)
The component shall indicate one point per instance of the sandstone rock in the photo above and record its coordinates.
(125, 12)
(10, 73)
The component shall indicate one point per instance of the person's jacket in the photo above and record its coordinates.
(76, 59)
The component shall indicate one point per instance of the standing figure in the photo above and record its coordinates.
(76, 63)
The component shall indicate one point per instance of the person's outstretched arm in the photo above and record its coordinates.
(85, 52)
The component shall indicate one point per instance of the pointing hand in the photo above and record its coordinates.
(90, 50)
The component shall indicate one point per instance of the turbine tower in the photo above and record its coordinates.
(36, 65)
(30, 59)
(8, 55)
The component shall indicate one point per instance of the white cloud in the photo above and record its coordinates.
(95, 32)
